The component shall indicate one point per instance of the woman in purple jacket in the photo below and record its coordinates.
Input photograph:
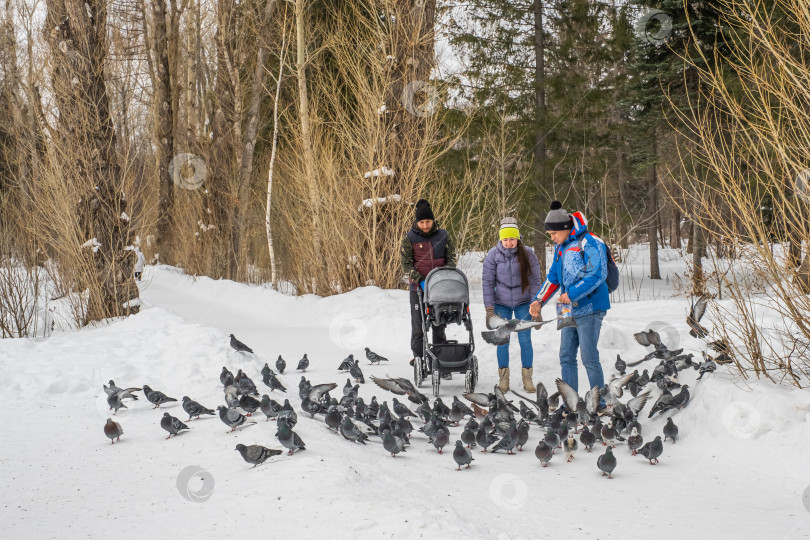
(511, 280)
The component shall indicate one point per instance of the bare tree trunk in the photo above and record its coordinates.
(163, 112)
(306, 134)
(540, 131)
(248, 146)
(652, 227)
(18, 159)
(267, 224)
(675, 239)
(226, 121)
(85, 143)
(191, 115)
(697, 258)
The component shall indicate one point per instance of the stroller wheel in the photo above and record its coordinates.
(469, 381)
(418, 375)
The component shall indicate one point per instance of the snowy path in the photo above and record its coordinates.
(738, 477)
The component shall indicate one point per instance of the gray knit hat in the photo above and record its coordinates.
(558, 219)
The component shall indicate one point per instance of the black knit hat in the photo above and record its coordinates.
(558, 219)
(423, 210)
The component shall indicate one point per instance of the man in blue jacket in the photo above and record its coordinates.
(579, 270)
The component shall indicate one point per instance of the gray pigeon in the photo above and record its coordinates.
(249, 404)
(634, 441)
(587, 439)
(506, 443)
(485, 439)
(681, 399)
(570, 447)
(401, 410)
(670, 430)
(126, 393)
(652, 450)
(568, 394)
(357, 373)
(193, 408)
(303, 364)
(552, 439)
(347, 363)
(374, 358)
(522, 435)
(696, 312)
(317, 391)
(620, 365)
(609, 434)
(708, 366)
(115, 402)
(333, 418)
(113, 430)
(440, 439)
(273, 383)
(232, 418)
(269, 407)
(256, 454)
(231, 396)
(288, 413)
(351, 432)
(226, 377)
(647, 338)
(462, 456)
(392, 444)
(543, 452)
(171, 424)
(468, 437)
(245, 384)
(607, 462)
(280, 364)
(288, 438)
(662, 403)
(500, 328)
(155, 397)
(238, 346)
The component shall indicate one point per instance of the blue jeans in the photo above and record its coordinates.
(524, 338)
(584, 336)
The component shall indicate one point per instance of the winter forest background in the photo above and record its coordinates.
(285, 143)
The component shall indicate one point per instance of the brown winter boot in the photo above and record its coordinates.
(503, 383)
(528, 385)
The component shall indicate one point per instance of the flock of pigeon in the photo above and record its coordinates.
(491, 421)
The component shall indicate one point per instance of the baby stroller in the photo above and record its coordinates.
(446, 300)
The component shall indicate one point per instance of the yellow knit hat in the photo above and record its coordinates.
(509, 230)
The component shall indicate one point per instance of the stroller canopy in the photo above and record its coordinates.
(446, 286)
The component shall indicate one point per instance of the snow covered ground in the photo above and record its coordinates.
(738, 470)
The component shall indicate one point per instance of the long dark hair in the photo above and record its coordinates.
(525, 267)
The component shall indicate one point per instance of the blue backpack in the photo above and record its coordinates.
(612, 279)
